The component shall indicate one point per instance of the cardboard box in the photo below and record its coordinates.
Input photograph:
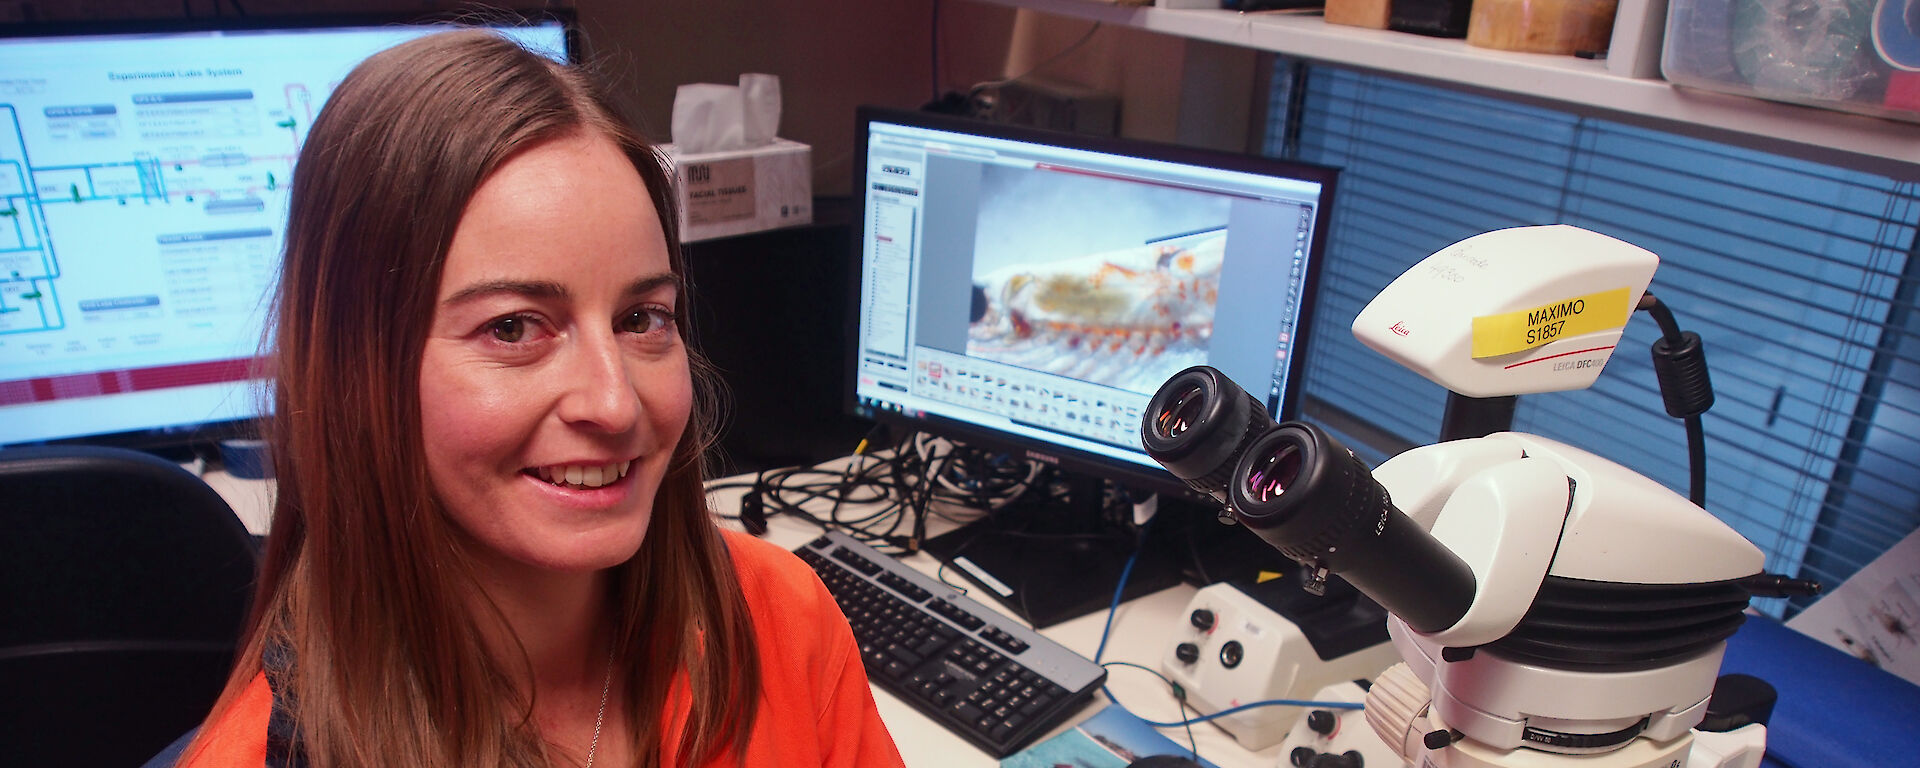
(748, 190)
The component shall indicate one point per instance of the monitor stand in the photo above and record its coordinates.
(1050, 561)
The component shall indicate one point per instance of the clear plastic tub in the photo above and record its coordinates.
(1851, 55)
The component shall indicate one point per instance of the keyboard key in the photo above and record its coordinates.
(854, 560)
(959, 616)
(904, 655)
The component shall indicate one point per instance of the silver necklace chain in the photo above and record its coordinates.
(601, 717)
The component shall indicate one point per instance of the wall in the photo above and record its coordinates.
(1171, 89)
(831, 56)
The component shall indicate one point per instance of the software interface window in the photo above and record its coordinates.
(143, 182)
(1047, 292)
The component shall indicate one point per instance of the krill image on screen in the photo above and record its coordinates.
(1120, 291)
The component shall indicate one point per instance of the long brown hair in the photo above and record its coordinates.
(362, 575)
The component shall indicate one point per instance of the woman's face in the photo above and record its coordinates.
(554, 385)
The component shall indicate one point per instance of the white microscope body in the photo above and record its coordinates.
(1546, 526)
(1550, 607)
(1600, 622)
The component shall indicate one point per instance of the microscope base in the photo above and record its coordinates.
(1740, 748)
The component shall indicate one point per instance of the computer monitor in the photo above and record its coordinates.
(1028, 291)
(143, 179)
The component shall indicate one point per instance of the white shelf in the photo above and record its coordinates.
(1884, 146)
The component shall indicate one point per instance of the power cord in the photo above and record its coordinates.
(1680, 364)
(1179, 693)
(880, 497)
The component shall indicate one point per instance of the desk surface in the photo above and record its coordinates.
(1825, 694)
(1139, 634)
(1140, 629)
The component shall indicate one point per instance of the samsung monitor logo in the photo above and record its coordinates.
(1043, 458)
(897, 170)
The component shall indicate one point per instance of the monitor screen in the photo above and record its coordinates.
(1032, 290)
(143, 180)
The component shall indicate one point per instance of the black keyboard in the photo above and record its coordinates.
(980, 674)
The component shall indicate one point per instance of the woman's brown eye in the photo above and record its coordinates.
(643, 320)
(509, 329)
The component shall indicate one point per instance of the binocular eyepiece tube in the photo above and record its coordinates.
(1305, 494)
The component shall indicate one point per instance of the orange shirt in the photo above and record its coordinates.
(815, 705)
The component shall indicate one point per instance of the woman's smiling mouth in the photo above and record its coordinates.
(582, 475)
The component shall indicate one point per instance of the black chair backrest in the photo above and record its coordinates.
(124, 581)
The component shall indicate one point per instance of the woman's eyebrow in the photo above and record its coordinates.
(535, 289)
(651, 283)
(547, 289)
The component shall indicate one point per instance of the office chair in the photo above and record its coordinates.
(124, 581)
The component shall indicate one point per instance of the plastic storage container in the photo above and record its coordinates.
(1855, 55)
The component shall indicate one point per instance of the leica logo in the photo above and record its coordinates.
(1399, 329)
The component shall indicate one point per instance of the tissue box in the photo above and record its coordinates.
(740, 191)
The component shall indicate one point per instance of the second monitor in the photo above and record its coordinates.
(1028, 291)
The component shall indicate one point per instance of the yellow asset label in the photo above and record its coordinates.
(1503, 334)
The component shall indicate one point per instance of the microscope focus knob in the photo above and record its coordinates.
(1202, 619)
(1348, 759)
(1397, 698)
(1321, 722)
(1187, 653)
(1232, 653)
(1305, 757)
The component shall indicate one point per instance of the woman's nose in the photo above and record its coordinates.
(597, 389)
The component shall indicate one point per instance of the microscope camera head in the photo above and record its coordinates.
(1512, 311)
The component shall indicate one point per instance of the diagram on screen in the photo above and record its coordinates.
(98, 172)
(144, 184)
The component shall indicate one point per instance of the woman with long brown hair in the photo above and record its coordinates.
(490, 544)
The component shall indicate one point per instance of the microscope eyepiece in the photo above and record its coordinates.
(1183, 410)
(1305, 494)
(1196, 424)
(1312, 499)
(1271, 472)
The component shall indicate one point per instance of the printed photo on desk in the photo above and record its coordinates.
(1112, 738)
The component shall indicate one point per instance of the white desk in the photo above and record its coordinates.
(1140, 629)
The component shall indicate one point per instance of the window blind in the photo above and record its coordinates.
(1800, 278)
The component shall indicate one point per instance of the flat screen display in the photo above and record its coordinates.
(143, 181)
(1032, 290)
